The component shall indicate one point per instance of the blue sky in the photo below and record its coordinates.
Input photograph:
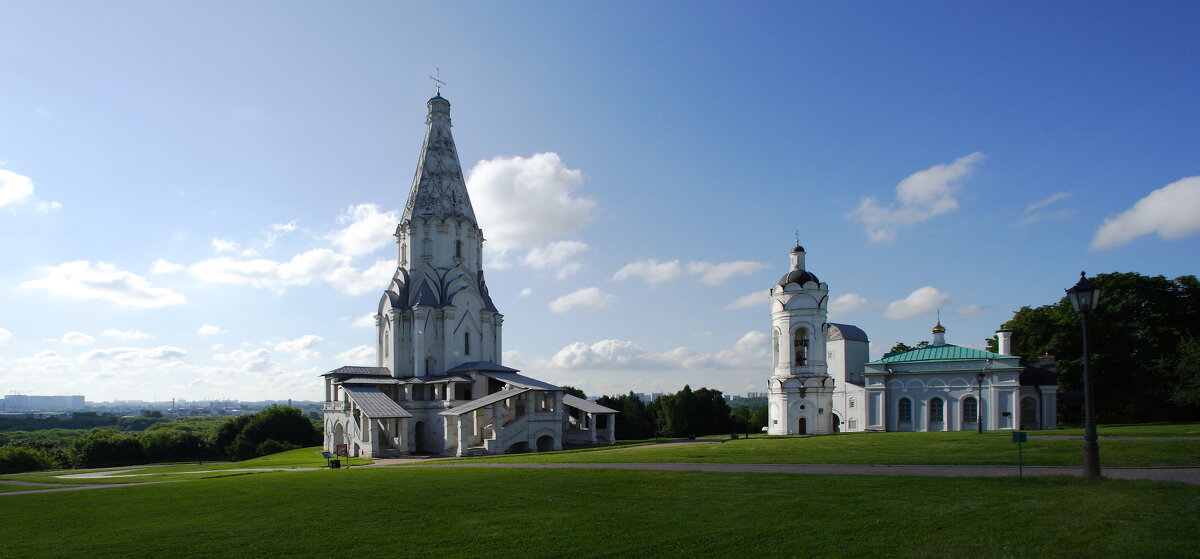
(196, 199)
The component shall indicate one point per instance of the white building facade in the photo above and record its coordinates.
(823, 381)
(438, 386)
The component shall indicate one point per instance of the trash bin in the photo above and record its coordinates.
(335, 464)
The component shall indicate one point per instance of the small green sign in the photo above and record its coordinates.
(1019, 437)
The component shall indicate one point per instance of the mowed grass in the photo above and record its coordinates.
(298, 458)
(994, 448)
(1134, 430)
(466, 512)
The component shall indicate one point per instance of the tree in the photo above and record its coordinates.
(1143, 365)
(15, 459)
(635, 420)
(242, 437)
(902, 347)
(574, 392)
(106, 447)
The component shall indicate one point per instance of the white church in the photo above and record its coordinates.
(438, 386)
(823, 381)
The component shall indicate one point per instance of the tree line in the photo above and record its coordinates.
(272, 430)
(687, 413)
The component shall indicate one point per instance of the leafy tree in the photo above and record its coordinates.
(241, 437)
(574, 392)
(635, 420)
(902, 347)
(106, 447)
(51, 448)
(1143, 365)
(14, 459)
(152, 413)
(172, 445)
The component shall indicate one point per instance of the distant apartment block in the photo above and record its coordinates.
(25, 402)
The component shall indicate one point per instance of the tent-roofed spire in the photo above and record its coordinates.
(438, 189)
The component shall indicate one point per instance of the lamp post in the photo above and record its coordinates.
(1084, 296)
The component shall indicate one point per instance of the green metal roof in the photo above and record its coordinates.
(946, 352)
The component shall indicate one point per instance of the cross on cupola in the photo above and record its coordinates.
(438, 81)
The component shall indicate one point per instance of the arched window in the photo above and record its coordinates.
(800, 347)
(458, 249)
(467, 343)
(905, 410)
(937, 411)
(970, 410)
(775, 346)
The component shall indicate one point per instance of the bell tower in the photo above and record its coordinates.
(800, 390)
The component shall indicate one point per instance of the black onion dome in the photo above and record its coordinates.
(798, 276)
(798, 248)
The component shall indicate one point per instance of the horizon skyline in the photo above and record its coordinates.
(214, 214)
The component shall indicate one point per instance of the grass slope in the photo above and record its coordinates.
(890, 448)
(464, 512)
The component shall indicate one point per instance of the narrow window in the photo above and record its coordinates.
(970, 410)
(936, 410)
(458, 249)
(466, 343)
(905, 409)
(800, 345)
(852, 402)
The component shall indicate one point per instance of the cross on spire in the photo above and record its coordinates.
(438, 80)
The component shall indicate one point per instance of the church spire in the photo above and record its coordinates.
(438, 189)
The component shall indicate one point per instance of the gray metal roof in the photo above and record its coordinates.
(585, 405)
(847, 332)
(521, 380)
(483, 366)
(486, 400)
(368, 381)
(352, 370)
(434, 380)
(373, 403)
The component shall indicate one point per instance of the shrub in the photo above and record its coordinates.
(14, 459)
(106, 447)
(172, 444)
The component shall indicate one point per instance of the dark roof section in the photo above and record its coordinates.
(585, 405)
(847, 332)
(1042, 371)
(521, 381)
(480, 402)
(798, 276)
(483, 367)
(374, 403)
(488, 305)
(355, 371)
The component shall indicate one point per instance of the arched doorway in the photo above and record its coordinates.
(419, 436)
(518, 448)
(837, 423)
(545, 443)
(803, 428)
(339, 437)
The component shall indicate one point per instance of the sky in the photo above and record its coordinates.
(197, 199)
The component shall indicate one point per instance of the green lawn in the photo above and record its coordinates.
(994, 448)
(465, 512)
(1138, 430)
(299, 458)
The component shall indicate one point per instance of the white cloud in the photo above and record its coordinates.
(365, 321)
(758, 299)
(556, 257)
(77, 338)
(278, 230)
(525, 293)
(651, 271)
(1035, 206)
(750, 351)
(972, 310)
(126, 334)
(163, 267)
(132, 355)
(923, 300)
(366, 229)
(210, 330)
(1032, 213)
(316, 265)
(43, 362)
(303, 348)
(5, 336)
(849, 302)
(251, 361)
(14, 188)
(526, 202)
(716, 274)
(919, 197)
(589, 298)
(361, 355)
(1173, 212)
(222, 245)
(46, 207)
(103, 281)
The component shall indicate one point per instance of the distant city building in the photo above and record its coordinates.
(23, 402)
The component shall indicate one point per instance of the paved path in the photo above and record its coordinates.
(1184, 475)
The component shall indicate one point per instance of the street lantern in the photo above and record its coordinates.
(1084, 296)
